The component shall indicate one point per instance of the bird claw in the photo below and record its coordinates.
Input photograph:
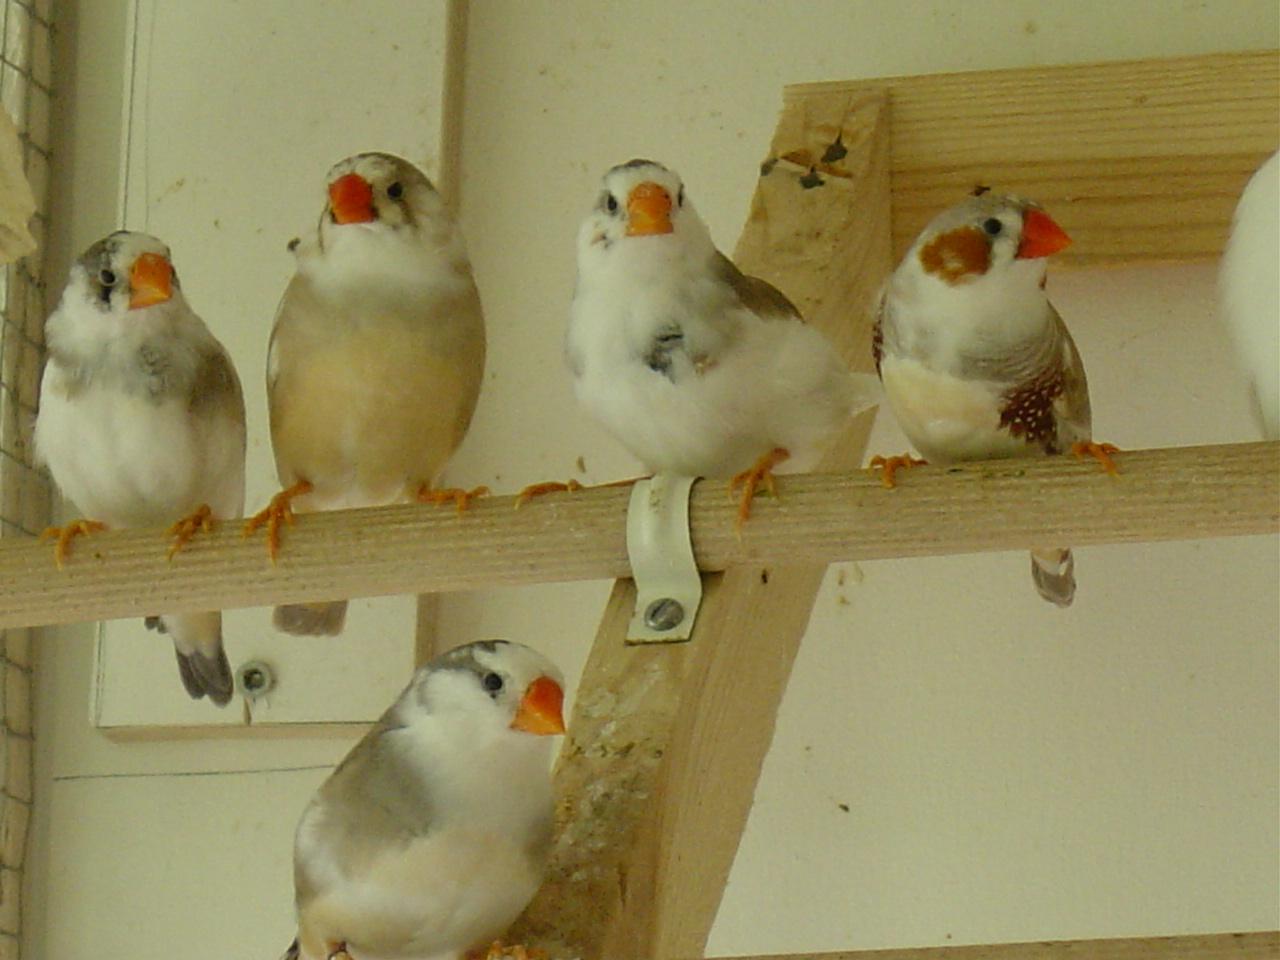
(460, 498)
(68, 532)
(1100, 452)
(201, 521)
(279, 510)
(888, 466)
(550, 486)
(760, 474)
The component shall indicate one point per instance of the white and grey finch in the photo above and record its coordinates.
(1249, 287)
(693, 366)
(976, 362)
(432, 835)
(142, 419)
(376, 355)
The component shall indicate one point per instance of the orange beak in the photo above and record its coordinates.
(351, 199)
(150, 281)
(1041, 236)
(540, 708)
(648, 210)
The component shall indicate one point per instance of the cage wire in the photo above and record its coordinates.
(25, 492)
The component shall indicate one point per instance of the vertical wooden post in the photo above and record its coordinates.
(666, 742)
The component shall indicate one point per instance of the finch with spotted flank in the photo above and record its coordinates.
(976, 362)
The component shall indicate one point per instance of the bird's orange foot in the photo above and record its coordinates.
(498, 951)
(201, 521)
(540, 489)
(456, 495)
(65, 534)
(278, 511)
(888, 466)
(760, 475)
(1100, 452)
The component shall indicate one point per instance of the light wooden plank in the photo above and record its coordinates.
(645, 847)
(1218, 946)
(1185, 493)
(1139, 160)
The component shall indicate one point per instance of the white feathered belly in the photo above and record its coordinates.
(782, 387)
(446, 892)
(130, 462)
(948, 418)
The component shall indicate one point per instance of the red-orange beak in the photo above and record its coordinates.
(351, 199)
(648, 210)
(540, 708)
(1041, 236)
(150, 281)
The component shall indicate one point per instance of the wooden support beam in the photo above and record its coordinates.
(1185, 493)
(1139, 160)
(1217, 946)
(666, 743)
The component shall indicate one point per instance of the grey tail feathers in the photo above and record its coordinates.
(1054, 573)
(294, 951)
(206, 676)
(202, 675)
(312, 619)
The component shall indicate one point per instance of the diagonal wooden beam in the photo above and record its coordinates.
(666, 744)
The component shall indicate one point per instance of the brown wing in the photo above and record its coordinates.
(759, 296)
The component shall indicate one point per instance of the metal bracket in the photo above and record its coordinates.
(668, 585)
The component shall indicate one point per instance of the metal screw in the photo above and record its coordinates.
(664, 614)
(255, 679)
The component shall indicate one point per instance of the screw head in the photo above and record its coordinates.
(255, 678)
(664, 614)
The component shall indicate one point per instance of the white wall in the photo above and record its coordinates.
(1011, 771)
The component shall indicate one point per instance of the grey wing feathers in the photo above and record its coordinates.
(371, 801)
(759, 296)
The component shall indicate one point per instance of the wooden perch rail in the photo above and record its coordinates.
(1221, 946)
(1172, 494)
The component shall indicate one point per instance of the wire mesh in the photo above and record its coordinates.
(25, 492)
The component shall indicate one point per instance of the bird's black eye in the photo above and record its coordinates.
(492, 682)
(992, 226)
(680, 196)
(396, 190)
(107, 278)
(611, 203)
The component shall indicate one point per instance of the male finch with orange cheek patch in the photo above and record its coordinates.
(142, 421)
(697, 368)
(976, 362)
(376, 357)
(432, 835)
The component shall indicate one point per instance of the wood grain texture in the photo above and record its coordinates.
(1218, 946)
(1185, 493)
(1138, 160)
(667, 742)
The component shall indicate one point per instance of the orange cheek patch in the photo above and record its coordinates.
(956, 254)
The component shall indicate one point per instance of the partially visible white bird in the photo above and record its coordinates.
(1250, 290)
(432, 834)
(975, 360)
(697, 368)
(142, 420)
